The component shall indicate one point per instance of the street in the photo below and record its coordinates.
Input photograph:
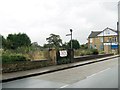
(97, 75)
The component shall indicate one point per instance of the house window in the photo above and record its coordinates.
(110, 40)
(101, 39)
(114, 39)
(95, 46)
(107, 31)
(90, 40)
(101, 47)
(90, 46)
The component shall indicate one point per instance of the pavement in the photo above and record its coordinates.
(34, 72)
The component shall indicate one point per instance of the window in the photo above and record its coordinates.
(107, 31)
(90, 40)
(114, 39)
(95, 46)
(101, 47)
(101, 39)
(90, 46)
(110, 40)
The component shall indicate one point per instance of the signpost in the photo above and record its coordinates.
(118, 27)
(71, 37)
(71, 50)
(63, 53)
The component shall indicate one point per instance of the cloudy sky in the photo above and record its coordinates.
(39, 18)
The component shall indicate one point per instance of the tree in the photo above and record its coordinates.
(46, 46)
(65, 45)
(54, 41)
(18, 40)
(3, 42)
(84, 46)
(75, 44)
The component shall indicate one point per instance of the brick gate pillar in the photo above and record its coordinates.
(53, 57)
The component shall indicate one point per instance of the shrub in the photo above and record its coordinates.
(13, 58)
(101, 52)
(63, 61)
(82, 53)
(95, 51)
(88, 52)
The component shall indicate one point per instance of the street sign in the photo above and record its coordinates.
(63, 53)
(114, 46)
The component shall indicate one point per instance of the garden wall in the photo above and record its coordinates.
(24, 65)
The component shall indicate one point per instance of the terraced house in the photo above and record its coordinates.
(106, 40)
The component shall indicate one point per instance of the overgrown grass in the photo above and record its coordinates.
(82, 52)
(13, 58)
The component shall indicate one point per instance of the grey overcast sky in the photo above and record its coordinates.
(39, 18)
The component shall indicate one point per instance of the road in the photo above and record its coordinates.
(97, 75)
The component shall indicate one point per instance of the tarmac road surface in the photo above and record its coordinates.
(97, 75)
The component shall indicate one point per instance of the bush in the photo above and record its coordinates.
(82, 53)
(88, 52)
(13, 58)
(95, 51)
(101, 52)
(63, 61)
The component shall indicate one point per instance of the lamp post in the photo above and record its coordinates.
(71, 53)
(103, 40)
(118, 37)
(71, 38)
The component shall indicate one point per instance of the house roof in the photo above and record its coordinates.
(110, 29)
(94, 34)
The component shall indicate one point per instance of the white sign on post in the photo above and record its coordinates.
(63, 53)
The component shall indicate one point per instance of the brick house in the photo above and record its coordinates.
(106, 40)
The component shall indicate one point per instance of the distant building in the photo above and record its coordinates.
(106, 40)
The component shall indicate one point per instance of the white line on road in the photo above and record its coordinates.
(64, 86)
(98, 73)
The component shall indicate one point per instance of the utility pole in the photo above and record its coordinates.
(118, 28)
(71, 47)
(71, 38)
(118, 36)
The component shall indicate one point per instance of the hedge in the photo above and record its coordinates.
(13, 58)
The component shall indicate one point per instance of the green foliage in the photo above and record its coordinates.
(54, 41)
(65, 46)
(3, 42)
(84, 46)
(13, 58)
(82, 52)
(0, 41)
(95, 51)
(75, 44)
(101, 52)
(63, 61)
(17, 40)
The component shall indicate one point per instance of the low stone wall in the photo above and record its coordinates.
(24, 65)
(27, 65)
(89, 57)
(39, 55)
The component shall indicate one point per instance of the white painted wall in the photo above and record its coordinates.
(110, 43)
(107, 32)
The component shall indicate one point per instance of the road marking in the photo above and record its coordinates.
(98, 73)
(64, 86)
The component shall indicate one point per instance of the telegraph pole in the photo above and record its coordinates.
(71, 47)
(118, 36)
(118, 28)
(71, 38)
